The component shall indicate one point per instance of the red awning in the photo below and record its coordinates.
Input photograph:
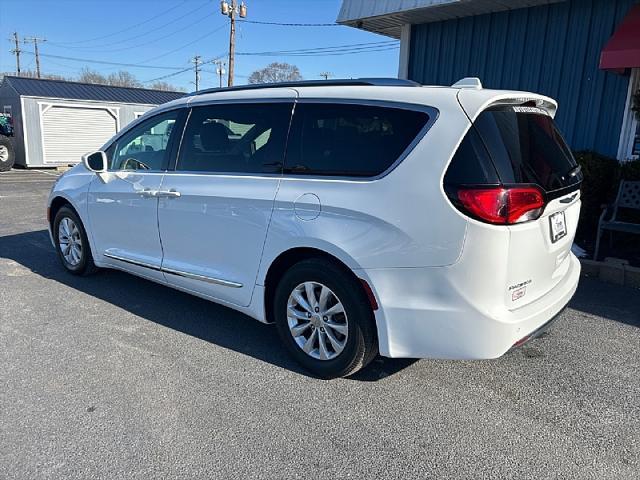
(623, 48)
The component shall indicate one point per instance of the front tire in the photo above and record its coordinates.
(71, 242)
(324, 318)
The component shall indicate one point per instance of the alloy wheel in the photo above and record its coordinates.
(70, 241)
(317, 320)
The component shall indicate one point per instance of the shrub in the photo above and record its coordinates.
(598, 187)
(602, 177)
(630, 170)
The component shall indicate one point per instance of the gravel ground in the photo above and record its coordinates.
(113, 377)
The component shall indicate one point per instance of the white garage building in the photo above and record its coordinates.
(56, 122)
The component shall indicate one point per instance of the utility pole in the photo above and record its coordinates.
(197, 61)
(16, 51)
(35, 41)
(231, 10)
(220, 70)
(326, 75)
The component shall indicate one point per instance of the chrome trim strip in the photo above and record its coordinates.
(194, 276)
(203, 278)
(132, 262)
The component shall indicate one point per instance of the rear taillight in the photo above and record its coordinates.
(502, 205)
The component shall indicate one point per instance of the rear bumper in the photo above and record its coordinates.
(424, 313)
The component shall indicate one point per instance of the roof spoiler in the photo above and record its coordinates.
(468, 82)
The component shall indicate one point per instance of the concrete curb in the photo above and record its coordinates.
(612, 270)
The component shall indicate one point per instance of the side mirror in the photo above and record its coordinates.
(96, 161)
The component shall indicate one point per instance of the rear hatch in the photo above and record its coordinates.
(513, 170)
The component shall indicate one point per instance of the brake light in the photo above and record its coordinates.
(501, 205)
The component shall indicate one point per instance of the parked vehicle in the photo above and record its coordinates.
(7, 152)
(359, 216)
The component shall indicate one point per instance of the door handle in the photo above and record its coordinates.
(167, 193)
(147, 192)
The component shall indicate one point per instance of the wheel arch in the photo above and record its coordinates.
(56, 204)
(290, 257)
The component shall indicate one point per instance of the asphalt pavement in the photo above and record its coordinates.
(112, 376)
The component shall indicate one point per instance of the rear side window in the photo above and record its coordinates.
(471, 164)
(349, 140)
(526, 147)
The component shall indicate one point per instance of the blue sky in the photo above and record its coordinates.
(125, 31)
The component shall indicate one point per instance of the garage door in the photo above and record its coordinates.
(70, 132)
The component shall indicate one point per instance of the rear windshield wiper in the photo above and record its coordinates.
(574, 171)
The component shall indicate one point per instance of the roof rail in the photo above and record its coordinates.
(337, 82)
(468, 82)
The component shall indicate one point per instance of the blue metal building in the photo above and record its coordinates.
(553, 47)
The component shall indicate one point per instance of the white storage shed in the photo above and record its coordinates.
(56, 122)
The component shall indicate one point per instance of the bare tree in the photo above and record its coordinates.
(167, 87)
(91, 76)
(122, 78)
(276, 72)
(33, 74)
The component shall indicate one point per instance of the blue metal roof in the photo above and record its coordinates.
(387, 16)
(36, 87)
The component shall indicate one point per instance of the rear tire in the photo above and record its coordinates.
(72, 244)
(7, 154)
(308, 306)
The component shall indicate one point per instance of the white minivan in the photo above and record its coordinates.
(360, 216)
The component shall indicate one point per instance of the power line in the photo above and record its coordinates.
(219, 70)
(232, 10)
(197, 61)
(154, 40)
(338, 54)
(292, 24)
(324, 51)
(168, 76)
(164, 54)
(102, 62)
(35, 41)
(155, 29)
(16, 51)
(127, 28)
(330, 48)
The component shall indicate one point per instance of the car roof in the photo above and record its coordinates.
(363, 89)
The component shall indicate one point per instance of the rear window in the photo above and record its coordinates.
(349, 140)
(514, 145)
(526, 147)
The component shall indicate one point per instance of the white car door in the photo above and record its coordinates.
(213, 227)
(123, 203)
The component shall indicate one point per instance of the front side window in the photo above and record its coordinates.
(235, 138)
(145, 146)
(349, 140)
